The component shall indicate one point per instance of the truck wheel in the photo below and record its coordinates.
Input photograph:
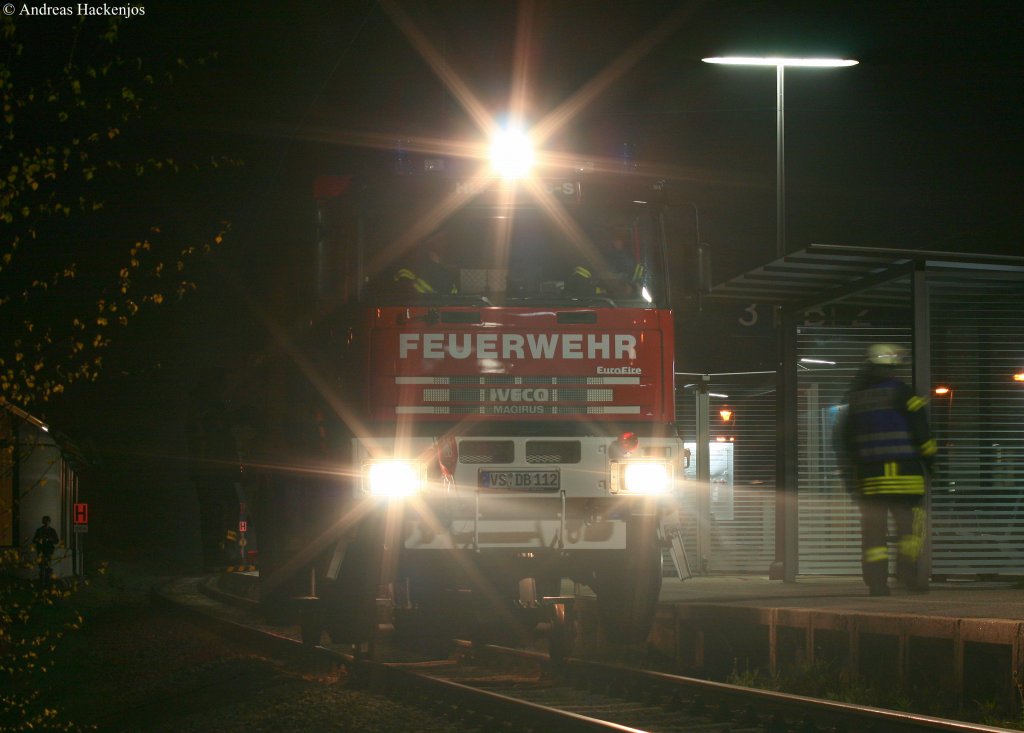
(628, 589)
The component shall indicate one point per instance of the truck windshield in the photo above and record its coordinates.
(525, 256)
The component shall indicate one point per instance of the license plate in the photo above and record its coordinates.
(517, 480)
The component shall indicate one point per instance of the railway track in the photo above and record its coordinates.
(496, 688)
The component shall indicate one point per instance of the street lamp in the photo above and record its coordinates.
(780, 65)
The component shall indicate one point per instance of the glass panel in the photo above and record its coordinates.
(600, 250)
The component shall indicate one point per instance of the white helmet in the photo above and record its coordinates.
(885, 354)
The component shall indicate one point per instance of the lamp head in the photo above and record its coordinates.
(885, 354)
(779, 61)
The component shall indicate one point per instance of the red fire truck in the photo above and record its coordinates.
(495, 382)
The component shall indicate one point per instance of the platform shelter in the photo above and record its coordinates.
(768, 492)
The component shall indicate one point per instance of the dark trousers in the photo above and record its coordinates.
(45, 568)
(908, 515)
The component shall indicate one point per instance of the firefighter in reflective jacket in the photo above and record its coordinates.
(582, 282)
(887, 452)
(621, 275)
(432, 275)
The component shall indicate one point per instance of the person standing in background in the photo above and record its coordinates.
(45, 540)
(887, 452)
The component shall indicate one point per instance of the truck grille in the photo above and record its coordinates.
(552, 451)
(487, 451)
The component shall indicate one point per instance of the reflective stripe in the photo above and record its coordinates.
(419, 284)
(915, 403)
(582, 272)
(892, 482)
(917, 524)
(910, 546)
(876, 554)
(893, 485)
(929, 448)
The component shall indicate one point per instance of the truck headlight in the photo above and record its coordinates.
(511, 153)
(393, 478)
(641, 477)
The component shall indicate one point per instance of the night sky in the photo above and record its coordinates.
(918, 146)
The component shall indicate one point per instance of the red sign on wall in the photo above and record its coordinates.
(243, 525)
(81, 513)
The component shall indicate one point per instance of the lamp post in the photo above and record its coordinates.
(780, 65)
(786, 511)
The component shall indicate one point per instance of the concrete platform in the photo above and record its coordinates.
(960, 599)
(963, 638)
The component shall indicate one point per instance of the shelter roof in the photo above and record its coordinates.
(823, 273)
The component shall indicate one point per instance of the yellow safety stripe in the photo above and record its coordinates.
(582, 272)
(915, 403)
(910, 546)
(893, 485)
(917, 524)
(929, 448)
(419, 284)
(876, 554)
(891, 482)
